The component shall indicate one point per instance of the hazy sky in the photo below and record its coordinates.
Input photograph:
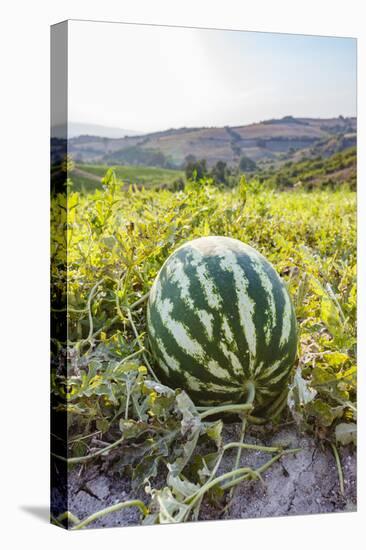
(149, 78)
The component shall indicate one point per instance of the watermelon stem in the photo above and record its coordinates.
(88, 309)
(278, 405)
(192, 499)
(139, 301)
(101, 513)
(69, 516)
(244, 409)
(262, 448)
(239, 474)
(259, 470)
(137, 335)
(250, 387)
(86, 458)
(339, 468)
(133, 326)
(220, 457)
(226, 408)
(257, 420)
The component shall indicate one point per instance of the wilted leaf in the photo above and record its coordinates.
(146, 469)
(181, 488)
(132, 428)
(170, 510)
(324, 413)
(214, 432)
(190, 428)
(300, 391)
(346, 433)
(102, 425)
(187, 450)
(159, 388)
(190, 416)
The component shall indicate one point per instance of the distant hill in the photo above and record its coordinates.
(269, 141)
(76, 129)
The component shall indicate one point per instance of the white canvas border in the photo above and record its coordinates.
(24, 231)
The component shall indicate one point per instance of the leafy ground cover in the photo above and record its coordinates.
(117, 239)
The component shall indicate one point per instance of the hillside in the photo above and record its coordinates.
(310, 173)
(339, 168)
(264, 142)
(88, 177)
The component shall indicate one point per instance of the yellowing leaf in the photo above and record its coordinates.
(336, 358)
(330, 315)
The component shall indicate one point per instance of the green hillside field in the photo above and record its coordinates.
(315, 173)
(88, 177)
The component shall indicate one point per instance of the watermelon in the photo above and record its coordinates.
(219, 316)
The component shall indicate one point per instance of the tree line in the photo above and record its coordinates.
(220, 173)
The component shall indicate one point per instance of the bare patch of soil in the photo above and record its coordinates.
(303, 483)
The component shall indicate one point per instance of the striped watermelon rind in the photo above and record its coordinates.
(219, 316)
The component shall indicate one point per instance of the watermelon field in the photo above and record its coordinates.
(175, 459)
